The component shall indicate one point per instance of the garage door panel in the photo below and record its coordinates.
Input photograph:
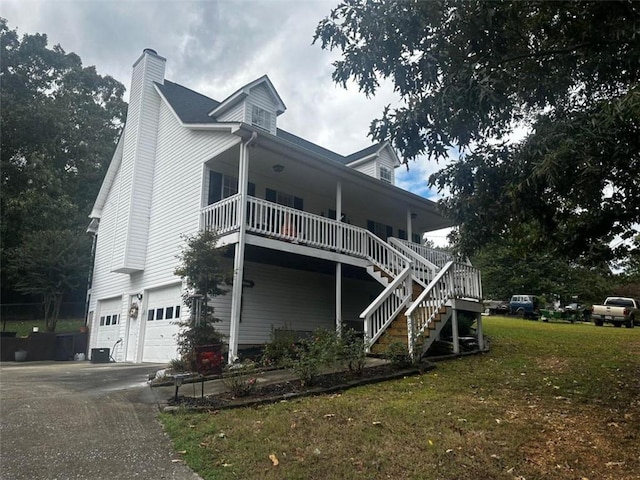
(164, 307)
(109, 319)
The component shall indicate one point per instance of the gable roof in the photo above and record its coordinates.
(244, 92)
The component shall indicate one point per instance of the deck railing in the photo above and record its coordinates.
(295, 226)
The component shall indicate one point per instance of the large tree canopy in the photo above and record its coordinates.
(472, 73)
(59, 126)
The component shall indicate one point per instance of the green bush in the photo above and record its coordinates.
(314, 354)
(398, 354)
(281, 347)
(353, 354)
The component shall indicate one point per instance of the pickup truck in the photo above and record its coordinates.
(618, 311)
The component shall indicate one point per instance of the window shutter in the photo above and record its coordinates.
(298, 203)
(270, 195)
(215, 187)
(416, 238)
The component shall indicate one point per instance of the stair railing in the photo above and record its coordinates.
(381, 312)
(423, 271)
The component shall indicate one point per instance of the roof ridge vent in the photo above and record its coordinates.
(149, 50)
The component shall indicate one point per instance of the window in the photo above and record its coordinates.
(283, 198)
(261, 118)
(115, 320)
(150, 314)
(168, 313)
(416, 238)
(177, 311)
(223, 186)
(108, 321)
(159, 313)
(380, 229)
(102, 321)
(386, 175)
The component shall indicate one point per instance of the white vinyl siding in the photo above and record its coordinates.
(175, 210)
(368, 168)
(385, 160)
(261, 97)
(134, 196)
(237, 113)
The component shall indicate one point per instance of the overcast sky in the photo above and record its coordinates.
(217, 46)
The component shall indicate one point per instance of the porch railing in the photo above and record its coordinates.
(295, 226)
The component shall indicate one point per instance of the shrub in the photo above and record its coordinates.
(398, 354)
(353, 353)
(177, 365)
(239, 381)
(281, 347)
(313, 354)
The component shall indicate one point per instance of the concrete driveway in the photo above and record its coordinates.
(64, 420)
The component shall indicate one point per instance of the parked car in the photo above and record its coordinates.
(617, 311)
(524, 306)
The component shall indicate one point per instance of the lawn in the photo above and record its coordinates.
(24, 327)
(550, 401)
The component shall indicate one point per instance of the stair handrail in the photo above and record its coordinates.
(433, 255)
(417, 260)
(386, 306)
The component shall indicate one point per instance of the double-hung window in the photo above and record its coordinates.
(261, 118)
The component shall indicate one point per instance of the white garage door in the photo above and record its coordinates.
(109, 314)
(163, 310)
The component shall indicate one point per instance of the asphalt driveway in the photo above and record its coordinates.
(77, 420)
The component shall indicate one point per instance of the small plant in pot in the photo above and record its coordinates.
(200, 345)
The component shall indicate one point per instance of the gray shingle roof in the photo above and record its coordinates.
(193, 107)
(190, 106)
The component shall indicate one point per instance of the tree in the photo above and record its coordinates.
(470, 73)
(202, 269)
(59, 125)
(50, 264)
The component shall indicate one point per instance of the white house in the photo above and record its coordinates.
(324, 239)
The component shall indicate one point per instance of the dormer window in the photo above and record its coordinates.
(261, 118)
(386, 174)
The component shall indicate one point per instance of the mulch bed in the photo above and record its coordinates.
(271, 393)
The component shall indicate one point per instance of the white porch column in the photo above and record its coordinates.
(409, 226)
(238, 259)
(338, 264)
(479, 331)
(454, 329)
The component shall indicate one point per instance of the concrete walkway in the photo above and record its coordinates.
(77, 420)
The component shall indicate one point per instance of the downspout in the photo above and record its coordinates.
(238, 262)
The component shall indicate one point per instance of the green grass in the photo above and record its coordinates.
(550, 401)
(25, 327)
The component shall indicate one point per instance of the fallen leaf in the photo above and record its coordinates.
(293, 425)
(377, 423)
(227, 465)
(181, 452)
(274, 459)
(430, 442)
(330, 415)
(176, 460)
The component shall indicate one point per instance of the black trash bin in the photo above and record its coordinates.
(99, 355)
